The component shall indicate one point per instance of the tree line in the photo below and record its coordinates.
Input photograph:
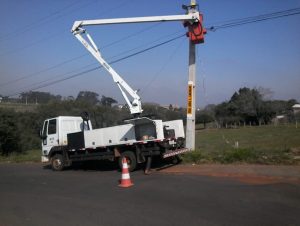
(247, 106)
(35, 97)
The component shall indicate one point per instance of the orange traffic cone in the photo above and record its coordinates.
(125, 181)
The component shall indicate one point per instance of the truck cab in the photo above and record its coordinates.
(54, 132)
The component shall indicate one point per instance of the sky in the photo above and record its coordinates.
(37, 47)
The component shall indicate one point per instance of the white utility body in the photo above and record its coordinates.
(68, 139)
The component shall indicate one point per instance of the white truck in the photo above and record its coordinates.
(69, 139)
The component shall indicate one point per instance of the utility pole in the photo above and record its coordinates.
(191, 102)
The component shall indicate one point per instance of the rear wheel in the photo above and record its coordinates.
(176, 160)
(57, 162)
(131, 160)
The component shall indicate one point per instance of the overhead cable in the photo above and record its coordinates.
(98, 67)
(80, 56)
(40, 21)
(255, 19)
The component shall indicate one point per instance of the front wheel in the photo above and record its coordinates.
(57, 162)
(131, 160)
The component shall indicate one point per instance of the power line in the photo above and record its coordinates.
(80, 56)
(131, 35)
(39, 23)
(44, 70)
(228, 24)
(120, 54)
(169, 59)
(149, 48)
(37, 84)
(123, 3)
(255, 19)
(98, 67)
(44, 20)
(259, 16)
(30, 44)
(138, 47)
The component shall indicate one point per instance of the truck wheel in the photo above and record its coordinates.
(176, 160)
(57, 162)
(131, 160)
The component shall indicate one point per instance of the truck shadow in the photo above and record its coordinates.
(159, 164)
(105, 165)
(92, 165)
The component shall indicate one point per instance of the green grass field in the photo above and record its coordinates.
(264, 144)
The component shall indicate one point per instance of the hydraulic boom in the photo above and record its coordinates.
(78, 30)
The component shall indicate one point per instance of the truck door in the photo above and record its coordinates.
(49, 135)
(52, 135)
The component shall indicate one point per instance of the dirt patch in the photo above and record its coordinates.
(250, 174)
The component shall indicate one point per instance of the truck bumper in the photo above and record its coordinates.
(44, 159)
(175, 152)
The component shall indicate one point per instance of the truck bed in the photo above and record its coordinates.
(136, 131)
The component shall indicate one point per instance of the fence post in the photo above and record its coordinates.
(236, 144)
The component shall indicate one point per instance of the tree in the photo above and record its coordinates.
(107, 101)
(246, 105)
(9, 135)
(38, 97)
(225, 113)
(88, 97)
(204, 117)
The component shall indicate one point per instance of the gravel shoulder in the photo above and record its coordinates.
(252, 174)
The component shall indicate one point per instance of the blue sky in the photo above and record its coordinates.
(35, 35)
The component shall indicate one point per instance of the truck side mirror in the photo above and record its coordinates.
(42, 136)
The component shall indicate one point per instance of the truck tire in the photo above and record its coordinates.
(57, 162)
(131, 160)
(176, 160)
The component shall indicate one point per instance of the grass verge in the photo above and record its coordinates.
(256, 145)
(240, 155)
(28, 156)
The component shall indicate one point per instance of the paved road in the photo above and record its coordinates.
(31, 195)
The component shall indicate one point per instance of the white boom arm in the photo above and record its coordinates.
(135, 105)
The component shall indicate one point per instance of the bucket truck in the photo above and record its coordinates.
(69, 139)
